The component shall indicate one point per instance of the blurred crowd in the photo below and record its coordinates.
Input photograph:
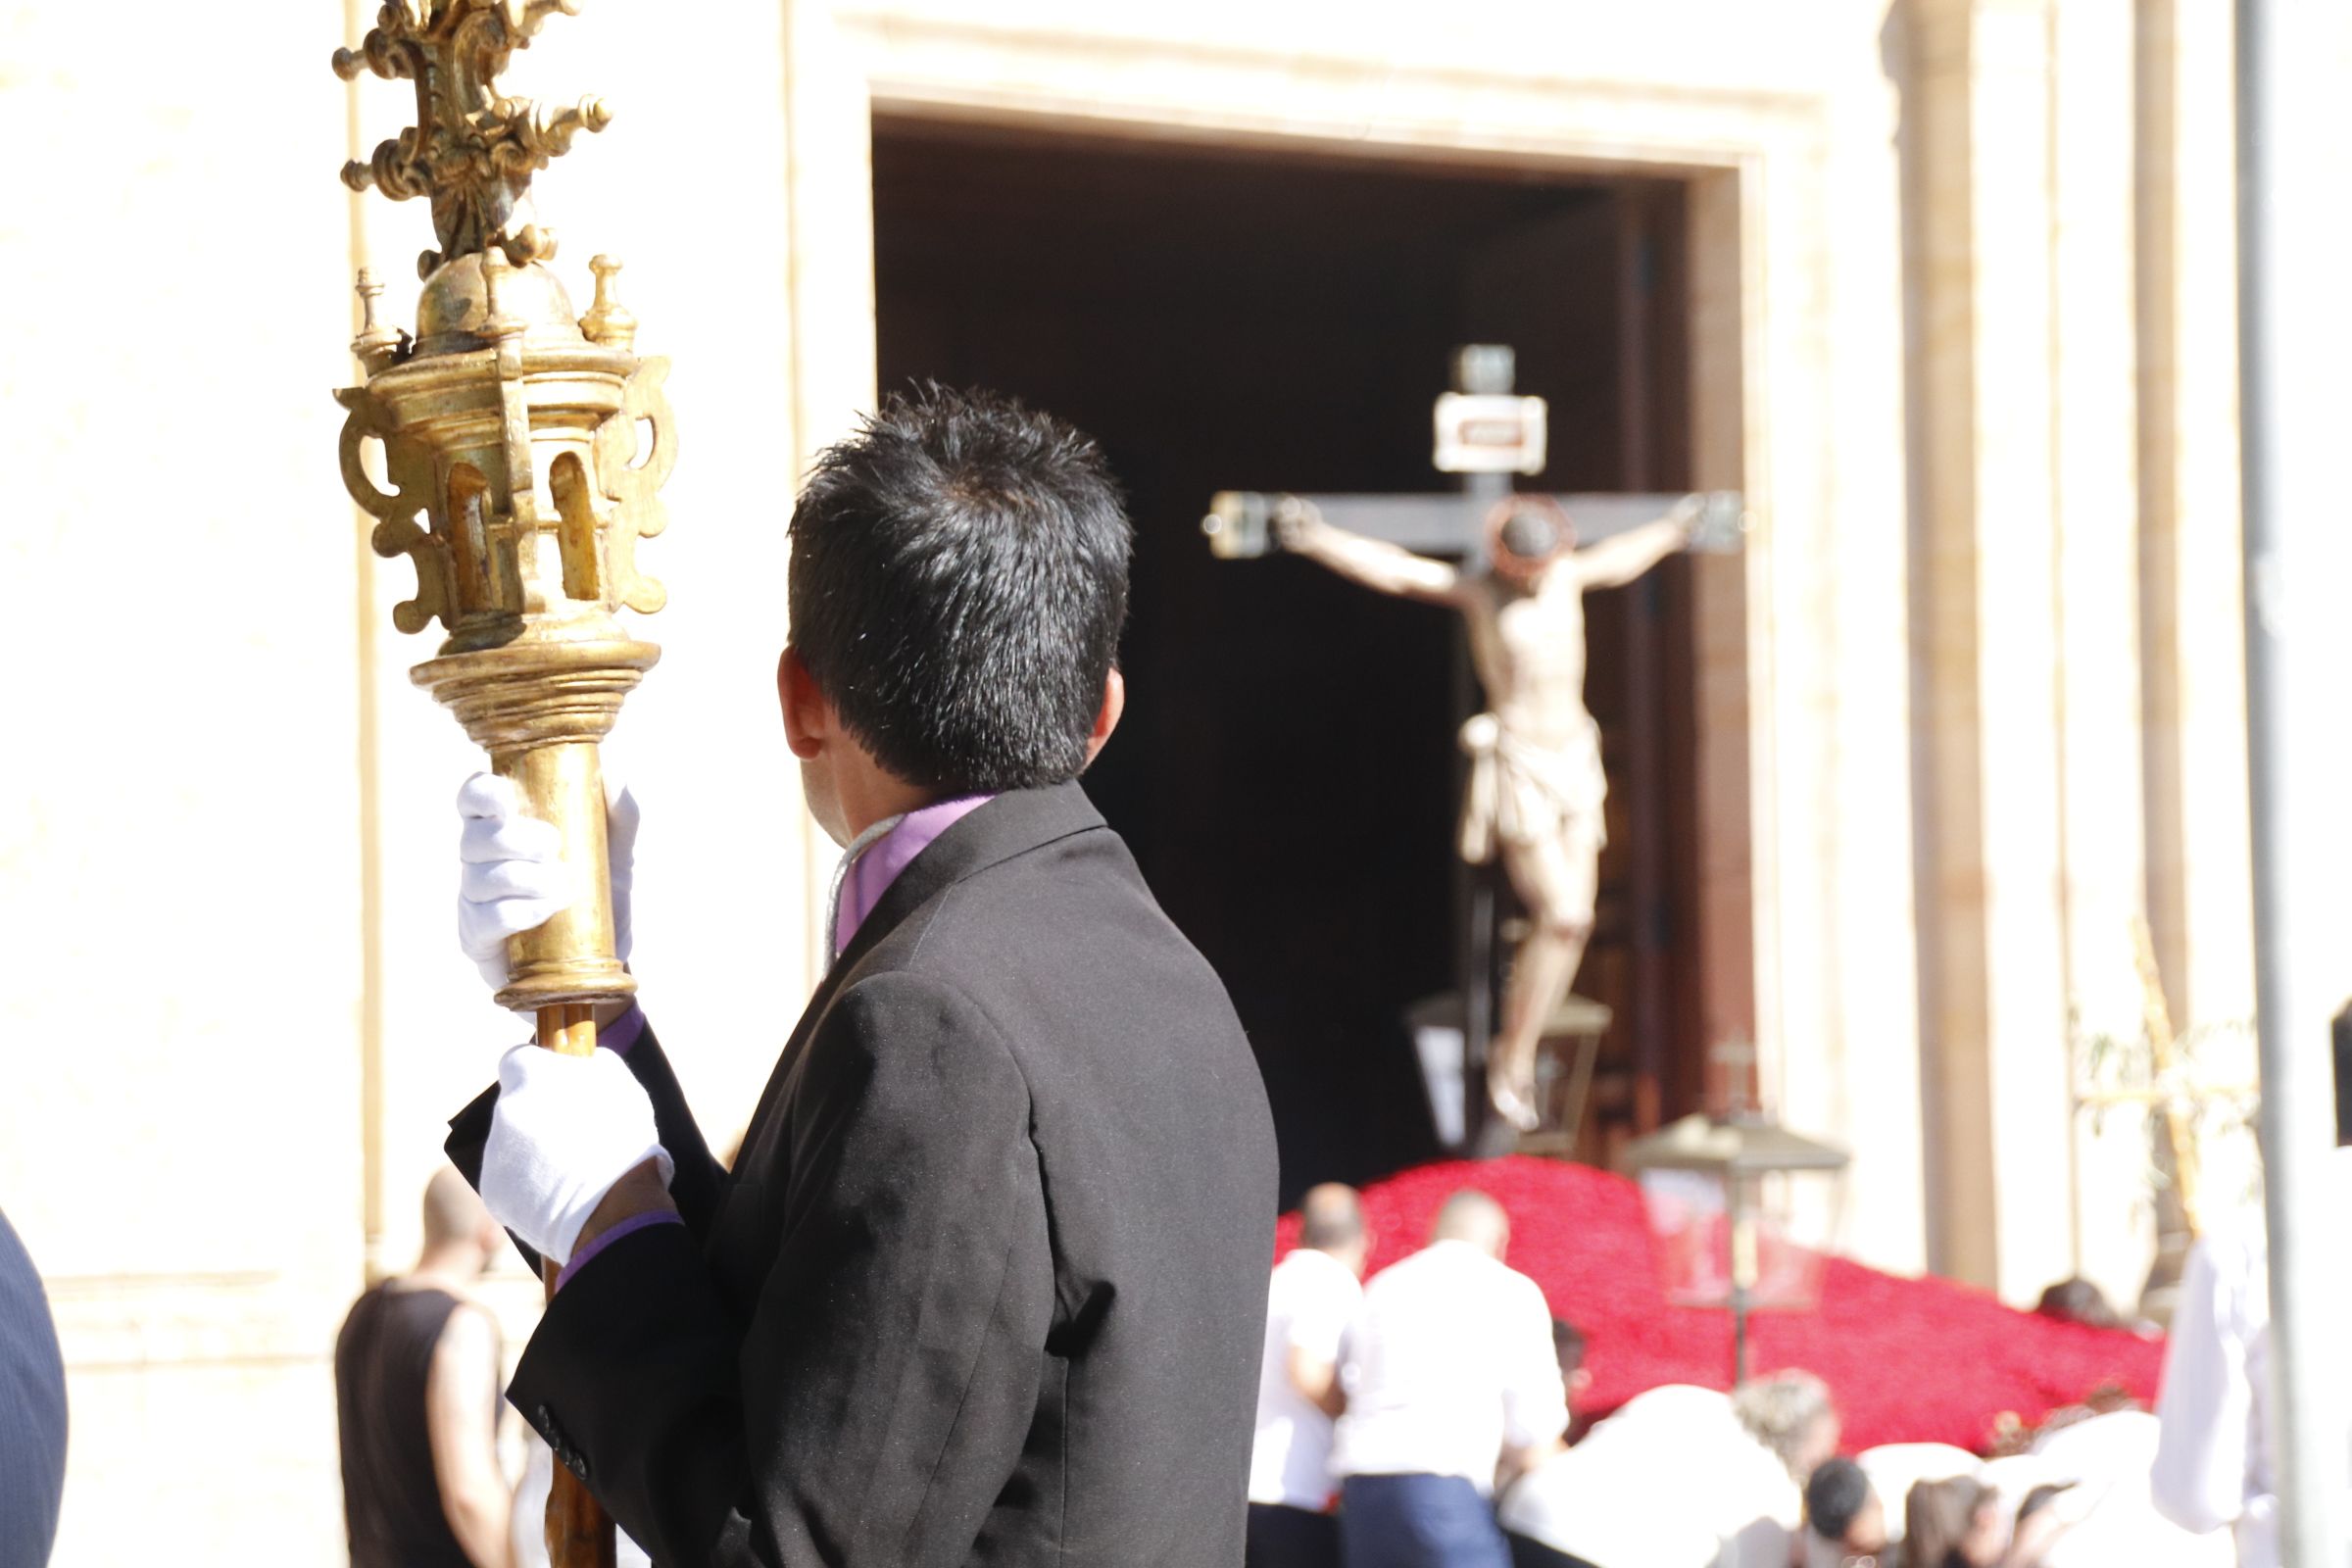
(1425, 1420)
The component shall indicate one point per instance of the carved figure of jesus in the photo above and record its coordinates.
(1536, 784)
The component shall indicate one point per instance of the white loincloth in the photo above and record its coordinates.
(1525, 794)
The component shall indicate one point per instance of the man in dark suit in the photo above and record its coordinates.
(985, 1284)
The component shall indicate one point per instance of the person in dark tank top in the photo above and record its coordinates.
(417, 1396)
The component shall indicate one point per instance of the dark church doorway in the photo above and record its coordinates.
(1286, 770)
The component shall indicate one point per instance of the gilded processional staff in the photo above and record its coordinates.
(1536, 788)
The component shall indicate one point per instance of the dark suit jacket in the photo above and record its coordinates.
(988, 1281)
(32, 1411)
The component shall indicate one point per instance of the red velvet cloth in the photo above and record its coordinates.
(1910, 1361)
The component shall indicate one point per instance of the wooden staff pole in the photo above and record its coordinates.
(568, 1029)
(579, 1534)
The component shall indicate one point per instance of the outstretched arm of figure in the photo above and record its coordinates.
(1615, 561)
(1383, 568)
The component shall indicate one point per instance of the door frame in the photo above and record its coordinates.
(1752, 163)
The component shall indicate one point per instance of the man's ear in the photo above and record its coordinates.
(808, 716)
(1107, 717)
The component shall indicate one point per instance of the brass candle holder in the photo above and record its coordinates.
(516, 480)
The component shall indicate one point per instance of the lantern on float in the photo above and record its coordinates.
(1742, 1212)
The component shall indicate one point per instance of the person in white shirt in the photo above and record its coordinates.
(2078, 1499)
(2213, 1460)
(1449, 1373)
(2106, 1463)
(1682, 1476)
(1314, 1297)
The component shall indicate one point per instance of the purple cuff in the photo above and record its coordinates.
(627, 1227)
(624, 1031)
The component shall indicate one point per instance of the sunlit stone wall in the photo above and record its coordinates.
(1962, 325)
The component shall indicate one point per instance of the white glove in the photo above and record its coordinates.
(565, 1130)
(514, 878)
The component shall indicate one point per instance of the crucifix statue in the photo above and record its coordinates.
(1536, 788)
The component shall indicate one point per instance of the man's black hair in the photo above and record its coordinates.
(2076, 1300)
(1835, 1495)
(958, 584)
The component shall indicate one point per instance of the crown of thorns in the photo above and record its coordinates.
(1531, 528)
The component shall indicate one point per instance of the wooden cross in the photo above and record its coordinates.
(1485, 434)
(1239, 523)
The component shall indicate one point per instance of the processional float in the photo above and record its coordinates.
(515, 480)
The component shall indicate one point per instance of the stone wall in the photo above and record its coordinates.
(1968, 701)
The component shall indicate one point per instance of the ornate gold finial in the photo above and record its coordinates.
(607, 322)
(472, 149)
(377, 344)
(500, 324)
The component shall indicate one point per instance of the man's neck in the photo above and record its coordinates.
(871, 795)
(861, 821)
(452, 1268)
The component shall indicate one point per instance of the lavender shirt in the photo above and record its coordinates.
(869, 868)
(869, 874)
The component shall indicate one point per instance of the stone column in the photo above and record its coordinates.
(2095, 485)
(2193, 631)
(1979, 89)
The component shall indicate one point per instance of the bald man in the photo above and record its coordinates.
(1316, 1294)
(1449, 1375)
(416, 1401)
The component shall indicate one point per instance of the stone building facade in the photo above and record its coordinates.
(1954, 311)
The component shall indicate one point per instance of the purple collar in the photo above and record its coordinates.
(881, 853)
